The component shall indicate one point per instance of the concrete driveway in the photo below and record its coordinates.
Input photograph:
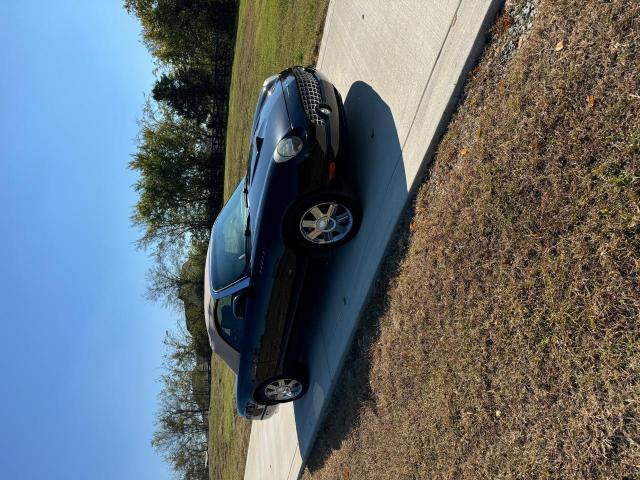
(400, 66)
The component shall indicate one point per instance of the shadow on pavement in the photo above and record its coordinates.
(376, 168)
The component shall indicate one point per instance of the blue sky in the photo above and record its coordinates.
(80, 348)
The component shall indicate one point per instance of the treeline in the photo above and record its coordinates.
(180, 163)
(182, 418)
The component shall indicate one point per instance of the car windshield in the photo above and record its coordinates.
(229, 326)
(228, 260)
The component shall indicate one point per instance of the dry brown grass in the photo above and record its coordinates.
(505, 341)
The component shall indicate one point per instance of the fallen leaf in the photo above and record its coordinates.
(498, 413)
(591, 100)
(502, 24)
(464, 151)
(413, 226)
(559, 46)
(507, 21)
(345, 474)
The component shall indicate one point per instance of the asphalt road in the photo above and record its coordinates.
(400, 66)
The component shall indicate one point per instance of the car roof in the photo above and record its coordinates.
(220, 347)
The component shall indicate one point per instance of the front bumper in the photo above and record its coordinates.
(306, 90)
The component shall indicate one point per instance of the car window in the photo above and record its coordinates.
(229, 326)
(228, 252)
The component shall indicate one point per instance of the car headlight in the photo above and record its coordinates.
(287, 148)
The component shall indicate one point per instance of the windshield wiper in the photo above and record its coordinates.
(247, 240)
(258, 143)
(247, 227)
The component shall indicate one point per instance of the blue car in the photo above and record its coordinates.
(293, 205)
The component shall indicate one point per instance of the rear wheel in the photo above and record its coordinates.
(281, 389)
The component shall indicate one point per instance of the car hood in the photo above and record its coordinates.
(271, 126)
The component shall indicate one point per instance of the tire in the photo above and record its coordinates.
(320, 223)
(345, 147)
(343, 116)
(281, 389)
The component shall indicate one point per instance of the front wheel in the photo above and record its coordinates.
(323, 222)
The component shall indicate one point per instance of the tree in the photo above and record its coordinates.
(189, 92)
(179, 161)
(175, 185)
(185, 32)
(180, 284)
(172, 279)
(182, 418)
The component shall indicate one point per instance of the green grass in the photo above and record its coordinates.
(272, 35)
(228, 433)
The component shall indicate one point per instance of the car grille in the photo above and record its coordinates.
(309, 89)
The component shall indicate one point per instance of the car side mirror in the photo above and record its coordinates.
(239, 305)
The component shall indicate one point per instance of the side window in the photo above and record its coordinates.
(229, 326)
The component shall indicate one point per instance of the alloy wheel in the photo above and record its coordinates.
(326, 223)
(283, 390)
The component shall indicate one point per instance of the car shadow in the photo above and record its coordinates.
(352, 392)
(375, 169)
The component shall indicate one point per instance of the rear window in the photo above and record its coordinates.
(229, 327)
